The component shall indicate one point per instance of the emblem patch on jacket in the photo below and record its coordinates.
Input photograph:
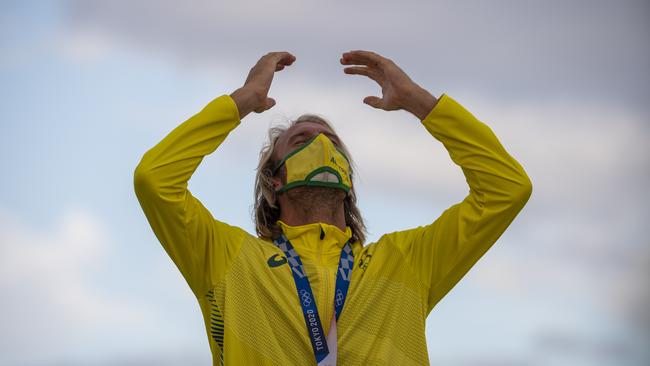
(276, 260)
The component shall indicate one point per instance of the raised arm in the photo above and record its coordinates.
(201, 247)
(441, 253)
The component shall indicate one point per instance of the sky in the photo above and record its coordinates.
(86, 87)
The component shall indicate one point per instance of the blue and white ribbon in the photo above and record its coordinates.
(306, 296)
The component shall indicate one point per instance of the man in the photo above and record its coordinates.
(307, 290)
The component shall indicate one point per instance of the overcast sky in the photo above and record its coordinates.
(87, 87)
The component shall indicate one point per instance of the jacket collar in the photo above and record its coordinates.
(319, 242)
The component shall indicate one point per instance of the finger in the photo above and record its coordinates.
(355, 70)
(279, 67)
(362, 58)
(270, 102)
(276, 58)
(373, 102)
(283, 58)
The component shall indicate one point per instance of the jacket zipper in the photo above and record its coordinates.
(324, 271)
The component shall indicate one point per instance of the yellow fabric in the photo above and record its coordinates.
(318, 156)
(251, 311)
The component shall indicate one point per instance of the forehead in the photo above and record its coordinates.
(305, 128)
(309, 126)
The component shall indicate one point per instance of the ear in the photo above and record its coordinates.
(277, 183)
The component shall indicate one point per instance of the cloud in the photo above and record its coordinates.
(87, 47)
(553, 345)
(504, 48)
(49, 295)
(563, 347)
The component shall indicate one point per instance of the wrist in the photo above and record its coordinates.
(421, 103)
(246, 101)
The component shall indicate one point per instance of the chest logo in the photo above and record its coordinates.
(364, 261)
(276, 260)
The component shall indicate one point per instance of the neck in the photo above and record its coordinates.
(308, 205)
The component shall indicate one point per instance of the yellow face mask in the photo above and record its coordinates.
(317, 163)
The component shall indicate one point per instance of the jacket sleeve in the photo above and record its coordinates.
(201, 247)
(441, 253)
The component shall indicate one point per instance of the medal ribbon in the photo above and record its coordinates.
(306, 296)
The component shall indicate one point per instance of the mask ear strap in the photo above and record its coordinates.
(278, 165)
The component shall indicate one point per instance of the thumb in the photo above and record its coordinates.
(268, 104)
(373, 102)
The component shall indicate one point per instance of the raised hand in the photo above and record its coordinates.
(253, 96)
(398, 90)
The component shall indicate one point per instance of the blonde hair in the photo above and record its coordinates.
(266, 210)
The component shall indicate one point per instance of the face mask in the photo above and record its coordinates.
(317, 163)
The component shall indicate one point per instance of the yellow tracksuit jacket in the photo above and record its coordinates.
(247, 294)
